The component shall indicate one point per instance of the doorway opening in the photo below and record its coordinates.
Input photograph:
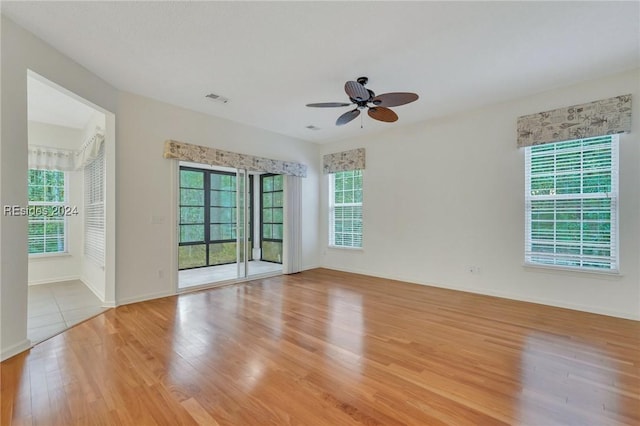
(70, 144)
(230, 225)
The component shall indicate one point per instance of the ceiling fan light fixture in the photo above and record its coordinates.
(363, 98)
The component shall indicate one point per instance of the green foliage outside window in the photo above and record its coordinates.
(346, 209)
(46, 224)
(272, 217)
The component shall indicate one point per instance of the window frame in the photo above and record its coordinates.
(64, 217)
(560, 260)
(332, 209)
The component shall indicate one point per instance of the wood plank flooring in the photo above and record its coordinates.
(329, 348)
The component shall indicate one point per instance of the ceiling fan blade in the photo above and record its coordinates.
(328, 105)
(356, 91)
(383, 114)
(347, 117)
(394, 99)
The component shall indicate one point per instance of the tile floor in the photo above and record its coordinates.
(55, 307)
(200, 276)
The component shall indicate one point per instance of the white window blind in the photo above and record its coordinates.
(345, 209)
(572, 204)
(94, 218)
(47, 219)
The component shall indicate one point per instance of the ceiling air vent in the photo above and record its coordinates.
(217, 98)
(312, 127)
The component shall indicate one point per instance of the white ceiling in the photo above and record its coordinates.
(272, 58)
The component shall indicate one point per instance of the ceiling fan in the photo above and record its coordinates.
(377, 106)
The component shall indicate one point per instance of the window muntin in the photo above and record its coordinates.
(345, 209)
(571, 204)
(47, 222)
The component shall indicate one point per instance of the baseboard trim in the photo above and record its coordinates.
(15, 349)
(503, 295)
(54, 280)
(159, 295)
(144, 298)
(93, 288)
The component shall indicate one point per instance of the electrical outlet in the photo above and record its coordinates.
(473, 269)
(160, 273)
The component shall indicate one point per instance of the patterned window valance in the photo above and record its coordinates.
(599, 118)
(217, 157)
(344, 161)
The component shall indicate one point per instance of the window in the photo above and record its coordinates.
(94, 215)
(47, 221)
(272, 190)
(571, 204)
(345, 209)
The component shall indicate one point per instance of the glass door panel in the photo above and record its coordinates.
(210, 204)
(192, 250)
(270, 229)
(222, 219)
(272, 190)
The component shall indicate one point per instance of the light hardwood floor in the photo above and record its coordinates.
(330, 348)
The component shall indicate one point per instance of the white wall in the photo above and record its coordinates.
(446, 194)
(47, 269)
(20, 51)
(147, 183)
(50, 135)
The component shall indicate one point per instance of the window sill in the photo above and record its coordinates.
(346, 248)
(565, 269)
(45, 256)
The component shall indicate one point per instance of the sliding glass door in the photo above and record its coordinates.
(217, 212)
